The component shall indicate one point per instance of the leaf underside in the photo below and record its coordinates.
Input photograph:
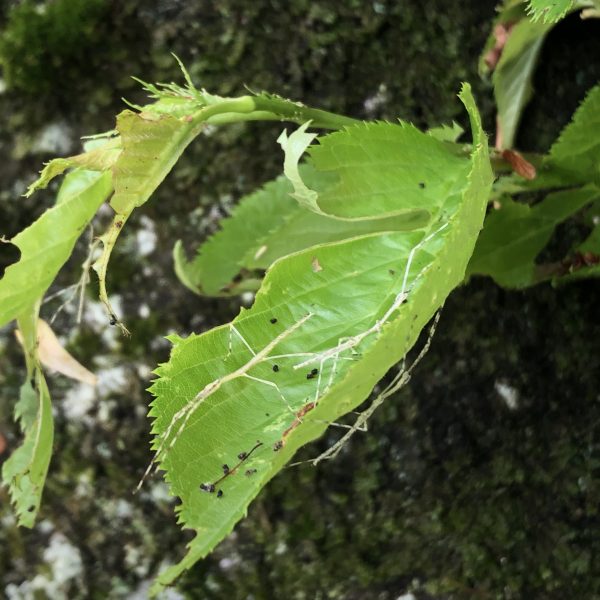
(356, 292)
(265, 226)
(24, 472)
(48, 242)
(513, 75)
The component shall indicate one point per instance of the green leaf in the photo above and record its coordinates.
(152, 144)
(48, 242)
(516, 233)
(446, 133)
(26, 407)
(513, 74)
(216, 397)
(585, 261)
(24, 472)
(574, 158)
(576, 153)
(548, 11)
(372, 171)
(266, 225)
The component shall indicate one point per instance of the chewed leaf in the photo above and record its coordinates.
(267, 225)
(375, 170)
(48, 242)
(152, 144)
(294, 147)
(243, 398)
(99, 159)
(25, 470)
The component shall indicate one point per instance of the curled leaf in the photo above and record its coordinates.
(53, 356)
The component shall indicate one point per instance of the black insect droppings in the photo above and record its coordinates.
(421, 185)
(312, 374)
(276, 368)
(113, 320)
(273, 321)
(220, 494)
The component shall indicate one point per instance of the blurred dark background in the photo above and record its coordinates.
(479, 480)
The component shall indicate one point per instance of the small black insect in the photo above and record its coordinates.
(277, 446)
(113, 320)
(207, 487)
(225, 469)
(421, 185)
(273, 321)
(312, 374)
(220, 494)
(242, 455)
(250, 472)
(276, 368)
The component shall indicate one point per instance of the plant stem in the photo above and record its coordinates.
(261, 108)
(295, 111)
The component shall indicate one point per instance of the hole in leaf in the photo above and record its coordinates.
(9, 255)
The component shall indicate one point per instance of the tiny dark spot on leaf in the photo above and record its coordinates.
(312, 374)
(273, 321)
